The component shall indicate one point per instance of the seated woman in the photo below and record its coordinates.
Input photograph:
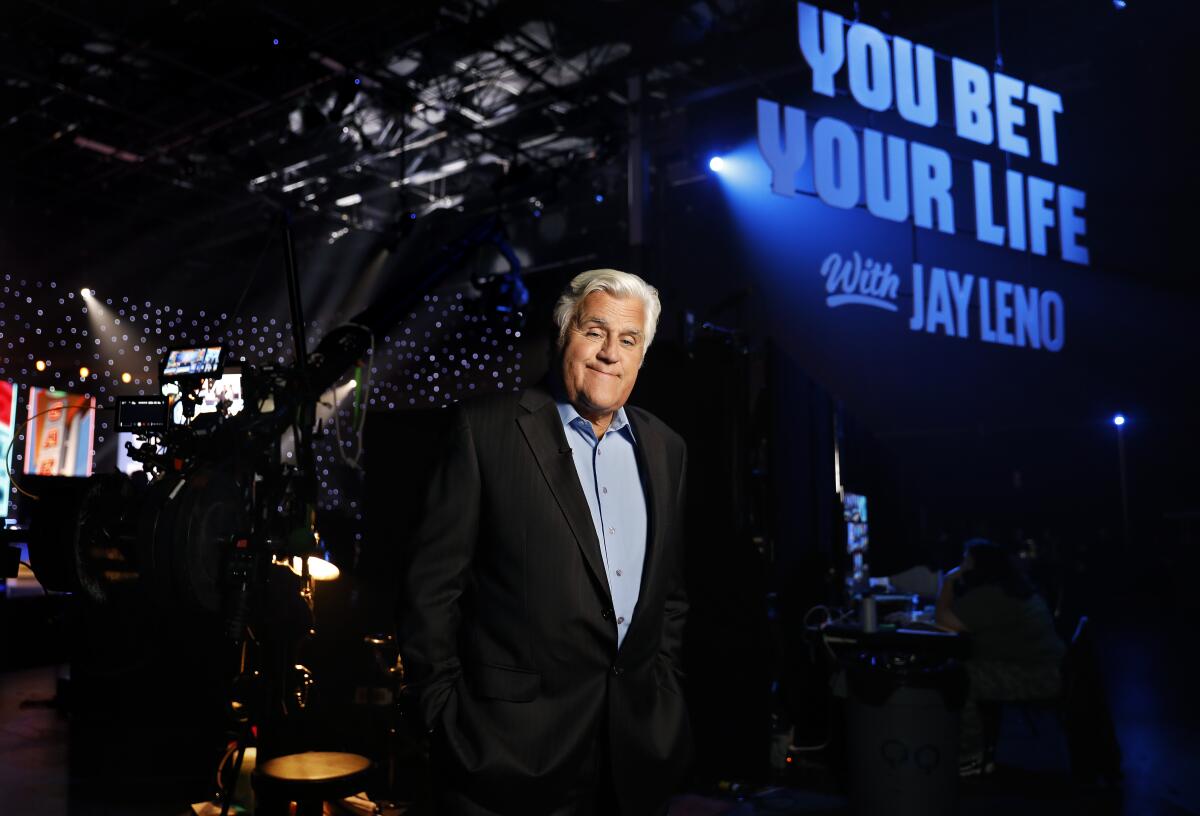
(1016, 654)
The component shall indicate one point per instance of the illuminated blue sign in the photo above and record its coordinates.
(855, 281)
(950, 303)
(904, 180)
(900, 179)
(1006, 313)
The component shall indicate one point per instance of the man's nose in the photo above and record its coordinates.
(608, 350)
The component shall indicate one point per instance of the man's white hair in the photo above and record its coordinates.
(617, 284)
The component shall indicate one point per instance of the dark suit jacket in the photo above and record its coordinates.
(507, 628)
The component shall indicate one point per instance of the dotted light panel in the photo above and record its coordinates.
(445, 349)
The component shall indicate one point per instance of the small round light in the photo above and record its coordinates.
(126, 378)
(1119, 420)
(85, 292)
(40, 365)
(83, 372)
(716, 164)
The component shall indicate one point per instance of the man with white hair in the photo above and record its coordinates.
(543, 604)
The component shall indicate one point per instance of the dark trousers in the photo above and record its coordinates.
(593, 793)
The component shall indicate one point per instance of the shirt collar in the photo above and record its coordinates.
(568, 414)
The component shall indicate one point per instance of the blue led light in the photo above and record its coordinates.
(275, 41)
(599, 198)
(716, 164)
(1119, 4)
(1119, 420)
(357, 81)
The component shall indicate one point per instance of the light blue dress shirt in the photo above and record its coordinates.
(608, 473)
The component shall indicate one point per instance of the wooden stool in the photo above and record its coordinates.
(309, 779)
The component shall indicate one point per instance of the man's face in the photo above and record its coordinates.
(602, 353)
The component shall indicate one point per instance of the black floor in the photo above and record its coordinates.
(1154, 701)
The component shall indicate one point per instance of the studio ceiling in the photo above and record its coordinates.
(137, 137)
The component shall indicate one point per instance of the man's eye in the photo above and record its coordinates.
(628, 341)
(592, 333)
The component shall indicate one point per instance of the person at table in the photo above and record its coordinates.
(1016, 653)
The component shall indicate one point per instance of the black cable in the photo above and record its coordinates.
(12, 441)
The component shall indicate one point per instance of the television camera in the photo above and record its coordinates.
(215, 503)
(219, 525)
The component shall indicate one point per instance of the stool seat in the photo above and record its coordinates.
(308, 779)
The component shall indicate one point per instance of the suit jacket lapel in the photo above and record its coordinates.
(652, 457)
(542, 427)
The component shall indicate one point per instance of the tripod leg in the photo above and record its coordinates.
(227, 799)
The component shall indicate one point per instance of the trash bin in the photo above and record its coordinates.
(903, 715)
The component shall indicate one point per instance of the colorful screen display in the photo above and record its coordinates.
(8, 428)
(58, 437)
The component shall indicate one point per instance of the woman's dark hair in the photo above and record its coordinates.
(995, 566)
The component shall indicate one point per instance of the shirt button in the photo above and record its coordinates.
(611, 531)
(618, 671)
(618, 573)
(620, 620)
(604, 490)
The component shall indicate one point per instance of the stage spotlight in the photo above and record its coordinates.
(126, 377)
(85, 292)
(1119, 4)
(716, 164)
(318, 568)
(1119, 420)
(83, 372)
(40, 365)
(599, 198)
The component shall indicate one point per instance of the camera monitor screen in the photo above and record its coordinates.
(125, 461)
(212, 392)
(854, 512)
(141, 413)
(193, 362)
